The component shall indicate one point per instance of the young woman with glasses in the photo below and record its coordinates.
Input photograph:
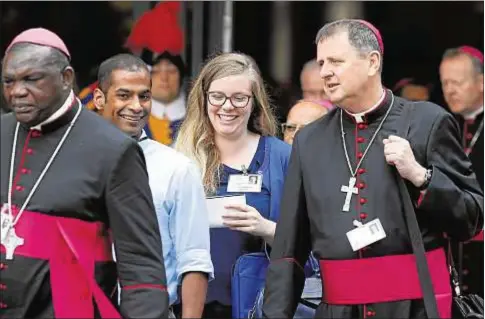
(230, 130)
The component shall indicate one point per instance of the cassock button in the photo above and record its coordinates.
(36, 133)
(30, 151)
(466, 272)
(3, 287)
(19, 188)
(361, 171)
(363, 215)
(360, 154)
(24, 171)
(361, 126)
(469, 136)
(3, 305)
(3, 266)
(362, 201)
(371, 313)
(361, 185)
(360, 139)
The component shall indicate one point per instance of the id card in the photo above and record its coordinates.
(366, 234)
(247, 183)
(215, 208)
(5, 222)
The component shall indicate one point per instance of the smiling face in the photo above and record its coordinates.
(127, 101)
(33, 87)
(345, 70)
(226, 119)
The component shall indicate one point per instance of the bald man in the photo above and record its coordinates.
(312, 85)
(302, 113)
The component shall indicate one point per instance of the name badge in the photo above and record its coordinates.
(247, 183)
(365, 234)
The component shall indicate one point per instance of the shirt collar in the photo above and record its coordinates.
(359, 117)
(173, 111)
(474, 114)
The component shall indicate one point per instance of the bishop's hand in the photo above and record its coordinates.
(247, 219)
(398, 152)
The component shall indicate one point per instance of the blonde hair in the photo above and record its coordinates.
(195, 138)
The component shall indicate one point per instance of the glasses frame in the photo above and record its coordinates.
(297, 127)
(229, 98)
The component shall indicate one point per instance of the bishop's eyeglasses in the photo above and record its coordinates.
(238, 100)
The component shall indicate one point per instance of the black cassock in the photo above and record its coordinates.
(379, 280)
(472, 254)
(96, 188)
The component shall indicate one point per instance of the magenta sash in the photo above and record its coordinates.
(72, 247)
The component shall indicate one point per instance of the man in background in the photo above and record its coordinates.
(162, 50)
(312, 85)
(412, 89)
(461, 75)
(302, 113)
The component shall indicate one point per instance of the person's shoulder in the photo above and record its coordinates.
(428, 113)
(166, 153)
(104, 136)
(165, 158)
(278, 146)
(314, 129)
(7, 119)
(102, 129)
(425, 108)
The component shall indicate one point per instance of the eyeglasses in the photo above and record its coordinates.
(238, 100)
(289, 128)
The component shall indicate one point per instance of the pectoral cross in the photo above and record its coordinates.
(9, 238)
(350, 190)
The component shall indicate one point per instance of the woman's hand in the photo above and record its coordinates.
(247, 219)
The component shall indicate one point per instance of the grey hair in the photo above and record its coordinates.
(455, 52)
(55, 58)
(360, 36)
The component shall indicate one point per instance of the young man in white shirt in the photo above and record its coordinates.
(124, 98)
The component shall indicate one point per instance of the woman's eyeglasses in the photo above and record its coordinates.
(238, 100)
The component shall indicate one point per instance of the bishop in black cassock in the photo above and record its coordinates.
(56, 249)
(461, 75)
(322, 203)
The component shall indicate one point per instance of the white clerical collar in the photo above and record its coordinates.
(474, 114)
(173, 111)
(359, 117)
(57, 114)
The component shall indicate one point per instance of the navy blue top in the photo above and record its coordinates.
(228, 245)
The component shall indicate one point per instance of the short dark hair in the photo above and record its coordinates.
(455, 52)
(123, 61)
(55, 58)
(360, 36)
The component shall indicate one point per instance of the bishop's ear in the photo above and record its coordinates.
(67, 77)
(375, 61)
(99, 99)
